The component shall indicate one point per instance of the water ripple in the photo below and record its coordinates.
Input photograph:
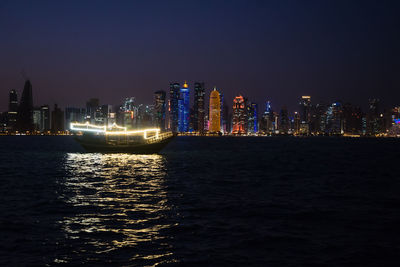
(120, 201)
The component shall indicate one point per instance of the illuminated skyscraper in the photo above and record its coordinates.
(198, 107)
(184, 108)
(374, 122)
(239, 118)
(252, 118)
(334, 119)
(159, 109)
(305, 108)
(296, 126)
(215, 112)
(174, 106)
(25, 109)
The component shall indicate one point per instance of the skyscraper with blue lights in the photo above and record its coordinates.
(184, 108)
(255, 114)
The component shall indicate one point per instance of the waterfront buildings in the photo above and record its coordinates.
(199, 107)
(318, 119)
(174, 90)
(284, 124)
(184, 109)
(305, 108)
(12, 113)
(215, 111)
(334, 119)
(252, 118)
(239, 118)
(91, 108)
(57, 120)
(374, 120)
(267, 119)
(159, 109)
(25, 109)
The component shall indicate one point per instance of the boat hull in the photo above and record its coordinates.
(99, 146)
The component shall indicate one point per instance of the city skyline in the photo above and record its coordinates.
(176, 114)
(332, 50)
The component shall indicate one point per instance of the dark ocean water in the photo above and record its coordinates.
(201, 202)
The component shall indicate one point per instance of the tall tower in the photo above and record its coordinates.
(284, 121)
(183, 103)
(305, 108)
(12, 109)
(198, 107)
(173, 105)
(159, 109)
(239, 115)
(57, 120)
(25, 109)
(267, 118)
(215, 112)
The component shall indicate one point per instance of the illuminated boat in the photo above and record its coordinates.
(117, 139)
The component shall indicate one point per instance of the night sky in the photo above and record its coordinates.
(265, 50)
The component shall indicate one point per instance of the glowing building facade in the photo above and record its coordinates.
(215, 112)
(239, 119)
(305, 108)
(252, 118)
(184, 108)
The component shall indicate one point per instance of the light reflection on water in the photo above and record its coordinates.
(119, 205)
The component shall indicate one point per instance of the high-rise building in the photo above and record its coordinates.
(252, 118)
(284, 121)
(334, 119)
(374, 121)
(25, 109)
(226, 118)
(104, 115)
(37, 119)
(224, 114)
(305, 108)
(57, 120)
(296, 122)
(12, 113)
(198, 107)
(174, 90)
(184, 108)
(159, 109)
(129, 104)
(215, 111)
(45, 118)
(267, 119)
(92, 107)
(239, 118)
(129, 114)
(145, 117)
(352, 119)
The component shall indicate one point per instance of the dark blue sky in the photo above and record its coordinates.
(275, 50)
